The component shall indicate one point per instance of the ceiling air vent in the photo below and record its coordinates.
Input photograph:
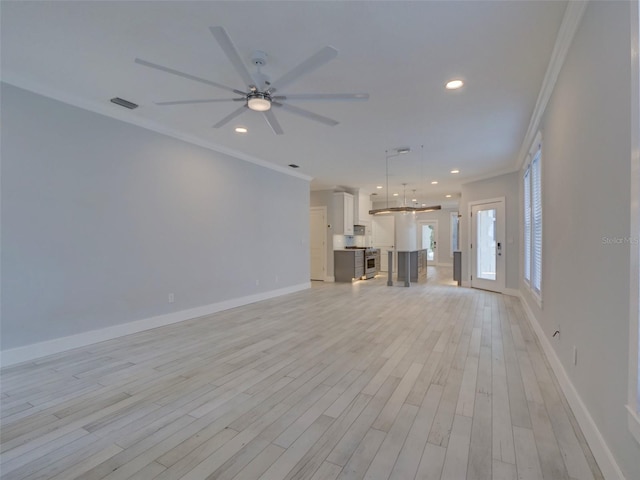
(293, 165)
(124, 103)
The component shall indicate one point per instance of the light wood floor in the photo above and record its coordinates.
(336, 382)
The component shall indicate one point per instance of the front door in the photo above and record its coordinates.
(487, 246)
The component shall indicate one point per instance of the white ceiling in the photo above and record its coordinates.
(401, 53)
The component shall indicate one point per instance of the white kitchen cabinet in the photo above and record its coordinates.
(363, 205)
(343, 213)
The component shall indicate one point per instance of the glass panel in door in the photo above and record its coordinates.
(429, 241)
(486, 244)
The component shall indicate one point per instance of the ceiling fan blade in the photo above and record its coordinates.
(139, 61)
(230, 51)
(323, 96)
(309, 65)
(230, 117)
(209, 100)
(273, 123)
(306, 114)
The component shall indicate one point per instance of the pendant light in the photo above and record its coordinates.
(381, 211)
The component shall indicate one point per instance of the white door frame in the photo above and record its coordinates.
(500, 283)
(322, 210)
(421, 223)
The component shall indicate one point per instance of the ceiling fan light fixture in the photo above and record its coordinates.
(259, 102)
(454, 84)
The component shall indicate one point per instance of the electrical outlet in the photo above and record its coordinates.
(257, 283)
(171, 298)
(277, 279)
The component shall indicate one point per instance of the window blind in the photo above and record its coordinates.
(527, 225)
(536, 224)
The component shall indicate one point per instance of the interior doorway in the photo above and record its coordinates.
(318, 242)
(429, 242)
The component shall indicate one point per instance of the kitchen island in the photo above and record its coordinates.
(355, 263)
(417, 265)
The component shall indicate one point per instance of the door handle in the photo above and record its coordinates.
(499, 248)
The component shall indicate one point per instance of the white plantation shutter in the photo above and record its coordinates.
(527, 225)
(536, 223)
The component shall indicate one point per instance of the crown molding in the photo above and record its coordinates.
(112, 111)
(570, 23)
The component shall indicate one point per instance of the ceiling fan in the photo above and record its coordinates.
(260, 94)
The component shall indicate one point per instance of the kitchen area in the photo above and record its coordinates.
(355, 245)
(354, 256)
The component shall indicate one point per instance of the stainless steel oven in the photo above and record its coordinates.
(370, 263)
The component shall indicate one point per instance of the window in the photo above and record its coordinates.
(633, 405)
(527, 226)
(455, 222)
(536, 224)
(532, 228)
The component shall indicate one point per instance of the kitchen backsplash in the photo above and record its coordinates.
(342, 241)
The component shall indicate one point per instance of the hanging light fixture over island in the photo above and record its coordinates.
(405, 208)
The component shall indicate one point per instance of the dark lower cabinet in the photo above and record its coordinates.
(417, 265)
(348, 265)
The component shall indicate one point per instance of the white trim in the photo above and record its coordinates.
(470, 206)
(118, 113)
(422, 223)
(330, 279)
(570, 22)
(457, 216)
(633, 421)
(512, 292)
(57, 345)
(634, 229)
(596, 442)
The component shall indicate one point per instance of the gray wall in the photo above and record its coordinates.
(507, 186)
(102, 219)
(586, 197)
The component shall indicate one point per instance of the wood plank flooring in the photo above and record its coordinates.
(341, 381)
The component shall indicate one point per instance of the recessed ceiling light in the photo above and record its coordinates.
(435, 182)
(448, 196)
(454, 84)
(378, 187)
(414, 199)
(424, 204)
(396, 194)
(241, 130)
(455, 171)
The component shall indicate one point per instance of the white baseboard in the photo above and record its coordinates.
(329, 279)
(57, 345)
(466, 283)
(599, 447)
(512, 292)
